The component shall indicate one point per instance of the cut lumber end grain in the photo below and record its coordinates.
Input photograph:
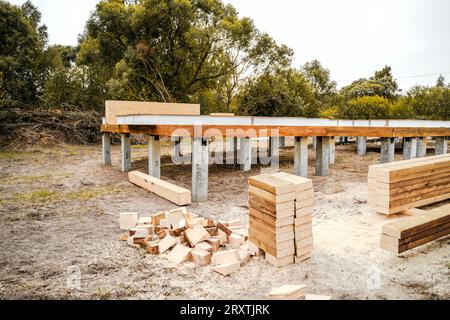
(227, 268)
(152, 247)
(255, 250)
(164, 189)
(179, 254)
(214, 243)
(166, 243)
(144, 220)
(235, 240)
(204, 246)
(128, 220)
(288, 292)
(244, 256)
(157, 217)
(279, 262)
(201, 257)
(224, 257)
(196, 235)
(224, 229)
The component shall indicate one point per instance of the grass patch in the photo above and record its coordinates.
(35, 179)
(15, 155)
(45, 196)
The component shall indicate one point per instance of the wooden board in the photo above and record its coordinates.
(114, 108)
(272, 184)
(169, 191)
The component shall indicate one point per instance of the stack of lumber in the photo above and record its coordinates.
(411, 232)
(280, 217)
(178, 195)
(184, 236)
(293, 292)
(399, 186)
(304, 207)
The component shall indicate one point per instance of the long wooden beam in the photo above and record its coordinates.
(265, 131)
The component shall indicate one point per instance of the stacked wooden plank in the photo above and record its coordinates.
(399, 186)
(271, 218)
(184, 236)
(280, 217)
(304, 206)
(414, 231)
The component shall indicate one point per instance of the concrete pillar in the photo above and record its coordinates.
(154, 156)
(387, 150)
(332, 150)
(274, 147)
(421, 147)
(235, 149)
(441, 146)
(361, 145)
(245, 154)
(200, 159)
(322, 156)
(177, 147)
(106, 148)
(314, 142)
(409, 148)
(282, 142)
(125, 151)
(301, 157)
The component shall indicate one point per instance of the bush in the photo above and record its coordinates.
(374, 107)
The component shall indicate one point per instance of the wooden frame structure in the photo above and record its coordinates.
(202, 128)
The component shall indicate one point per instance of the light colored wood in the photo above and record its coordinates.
(201, 257)
(214, 243)
(179, 254)
(169, 191)
(196, 235)
(279, 262)
(272, 184)
(227, 269)
(274, 198)
(286, 291)
(225, 257)
(114, 108)
(128, 220)
(270, 220)
(166, 243)
(204, 246)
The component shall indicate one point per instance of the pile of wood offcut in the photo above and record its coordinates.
(184, 236)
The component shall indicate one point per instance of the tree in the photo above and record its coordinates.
(431, 103)
(367, 107)
(319, 77)
(280, 93)
(440, 82)
(381, 84)
(22, 40)
(176, 50)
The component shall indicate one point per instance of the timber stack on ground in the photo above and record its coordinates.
(182, 236)
(402, 185)
(411, 232)
(276, 226)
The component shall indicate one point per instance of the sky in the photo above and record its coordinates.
(352, 38)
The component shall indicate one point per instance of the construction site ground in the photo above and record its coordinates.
(59, 210)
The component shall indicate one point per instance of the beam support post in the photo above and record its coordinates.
(125, 151)
(409, 148)
(245, 154)
(361, 146)
(441, 146)
(332, 150)
(282, 142)
(106, 148)
(387, 150)
(154, 156)
(176, 147)
(301, 157)
(421, 147)
(200, 162)
(274, 148)
(322, 156)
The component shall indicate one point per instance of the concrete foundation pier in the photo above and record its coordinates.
(332, 150)
(441, 146)
(301, 157)
(245, 154)
(322, 156)
(200, 162)
(106, 148)
(387, 150)
(409, 148)
(154, 156)
(361, 146)
(125, 151)
(421, 147)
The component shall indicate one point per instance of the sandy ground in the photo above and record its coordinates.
(59, 211)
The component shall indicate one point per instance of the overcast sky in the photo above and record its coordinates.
(352, 38)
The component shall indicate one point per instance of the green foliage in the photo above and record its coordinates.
(282, 93)
(319, 77)
(381, 84)
(368, 107)
(429, 102)
(21, 53)
(176, 50)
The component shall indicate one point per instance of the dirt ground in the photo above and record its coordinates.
(59, 210)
